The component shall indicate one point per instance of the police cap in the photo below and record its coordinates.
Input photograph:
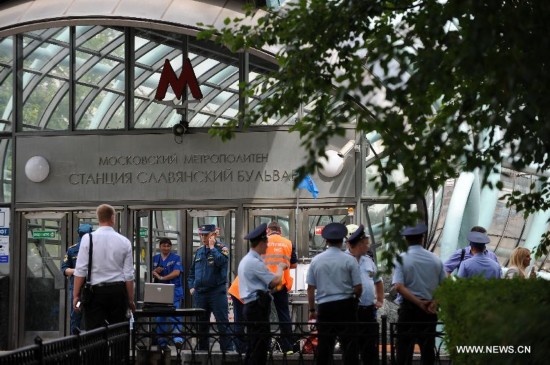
(479, 238)
(334, 231)
(85, 228)
(207, 228)
(258, 233)
(359, 234)
(419, 229)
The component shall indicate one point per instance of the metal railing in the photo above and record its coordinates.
(106, 345)
(111, 344)
(378, 337)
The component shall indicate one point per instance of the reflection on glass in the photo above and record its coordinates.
(100, 78)
(6, 83)
(316, 223)
(44, 257)
(6, 170)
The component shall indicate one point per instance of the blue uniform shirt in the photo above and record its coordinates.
(209, 268)
(69, 262)
(367, 268)
(333, 273)
(478, 265)
(254, 276)
(421, 272)
(452, 262)
(172, 262)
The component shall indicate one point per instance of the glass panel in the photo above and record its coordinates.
(46, 80)
(151, 53)
(372, 171)
(6, 83)
(6, 170)
(316, 223)
(44, 279)
(100, 78)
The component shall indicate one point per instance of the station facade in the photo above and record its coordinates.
(80, 125)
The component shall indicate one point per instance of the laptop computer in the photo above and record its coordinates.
(158, 295)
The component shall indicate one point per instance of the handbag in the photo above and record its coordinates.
(86, 292)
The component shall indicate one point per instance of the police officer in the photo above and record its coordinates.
(372, 297)
(415, 279)
(455, 261)
(480, 264)
(207, 284)
(255, 280)
(334, 282)
(67, 268)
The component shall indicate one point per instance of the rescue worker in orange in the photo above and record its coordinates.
(280, 250)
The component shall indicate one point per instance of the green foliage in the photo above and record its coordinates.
(505, 313)
(449, 85)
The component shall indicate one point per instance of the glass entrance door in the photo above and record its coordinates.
(313, 222)
(44, 243)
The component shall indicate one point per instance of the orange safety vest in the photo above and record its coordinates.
(234, 289)
(279, 249)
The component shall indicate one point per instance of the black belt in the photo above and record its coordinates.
(367, 307)
(112, 283)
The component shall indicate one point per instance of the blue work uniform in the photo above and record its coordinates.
(208, 276)
(69, 262)
(480, 265)
(456, 259)
(334, 274)
(420, 272)
(171, 263)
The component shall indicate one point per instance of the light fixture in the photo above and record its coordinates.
(37, 169)
(181, 128)
(333, 163)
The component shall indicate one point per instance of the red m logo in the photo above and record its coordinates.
(187, 77)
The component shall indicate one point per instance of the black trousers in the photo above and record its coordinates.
(368, 334)
(421, 332)
(108, 304)
(257, 332)
(329, 318)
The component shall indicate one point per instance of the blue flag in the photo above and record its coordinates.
(308, 184)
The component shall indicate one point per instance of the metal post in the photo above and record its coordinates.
(384, 338)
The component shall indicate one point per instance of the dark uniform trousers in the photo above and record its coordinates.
(329, 323)
(257, 332)
(368, 339)
(109, 303)
(421, 332)
(280, 300)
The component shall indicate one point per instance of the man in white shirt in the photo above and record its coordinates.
(112, 273)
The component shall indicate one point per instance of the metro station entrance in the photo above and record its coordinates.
(181, 227)
(46, 235)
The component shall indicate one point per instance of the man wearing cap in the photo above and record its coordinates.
(415, 278)
(255, 281)
(67, 268)
(280, 250)
(479, 264)
(207, 281)
(455, 261)
(334, 283)
(372, 297)
(167, 269)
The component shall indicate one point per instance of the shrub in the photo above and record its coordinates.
(499, 317)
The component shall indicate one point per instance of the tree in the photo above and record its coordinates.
(449, 85)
